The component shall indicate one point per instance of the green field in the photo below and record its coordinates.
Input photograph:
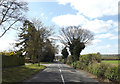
(111, 61)
(17, 74)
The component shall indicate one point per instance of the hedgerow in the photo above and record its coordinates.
(92, 63)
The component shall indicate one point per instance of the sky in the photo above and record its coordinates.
(98, 16)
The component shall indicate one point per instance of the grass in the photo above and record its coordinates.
(18, 74)
(110, 61)
(40, 63)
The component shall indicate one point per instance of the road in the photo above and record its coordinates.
(62, 74)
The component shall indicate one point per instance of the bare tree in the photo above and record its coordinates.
(11, 12)
(75, 38)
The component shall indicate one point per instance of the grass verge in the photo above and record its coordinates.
(18, 74)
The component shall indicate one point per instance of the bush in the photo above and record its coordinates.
(85, 60)
(102, 69)
(98, 69)
(74, 65)
(112, 73)
(93, 68)
(64, 61)
(90, 58)
(69, 60)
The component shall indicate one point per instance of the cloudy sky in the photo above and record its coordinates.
(98, 16)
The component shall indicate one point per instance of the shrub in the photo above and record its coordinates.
(93, 68)
(102, 69)
(112, 73)
(69, 60)
(11, 53)
(63, 61)
(88, 59)
(74, 65)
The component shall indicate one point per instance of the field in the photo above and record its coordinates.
(111, 61)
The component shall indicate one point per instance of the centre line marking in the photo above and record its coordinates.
(62, 79)
(60, 70)
(61, 75)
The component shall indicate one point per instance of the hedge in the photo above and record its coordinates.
(105, 71)
(10, 61)
(92, 63)
(84, 61)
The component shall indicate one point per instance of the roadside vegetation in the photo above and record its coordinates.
(18, 74)
(102, 69)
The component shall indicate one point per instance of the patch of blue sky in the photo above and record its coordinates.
(47, 10)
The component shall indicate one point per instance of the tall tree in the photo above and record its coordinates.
(75, 38)
(28, 40)
(43, 34)
(11, 12)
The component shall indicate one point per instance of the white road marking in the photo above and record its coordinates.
(61, 75)
(62, 79)
(60, 70)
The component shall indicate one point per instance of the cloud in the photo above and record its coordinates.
(107, 35)
(6, 44)
(94, 8)
(96, 41)
(99, 26)
(96, 25)
(69, 20)
(42, 14)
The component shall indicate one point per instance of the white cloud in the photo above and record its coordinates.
(114, 37)
(6, 44)
(107, 35)
(69, 20)
(99, 26)
(96, 26)
(96, 41)
(94, 8)
(108, 46)
(42, 14)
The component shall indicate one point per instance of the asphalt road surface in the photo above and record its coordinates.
(62, 74)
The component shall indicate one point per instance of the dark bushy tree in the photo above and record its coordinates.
(64, 53)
